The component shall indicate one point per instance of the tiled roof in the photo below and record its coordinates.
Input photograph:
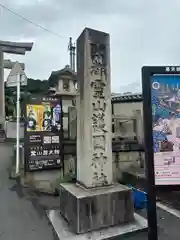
(126, 97)
(65, 69)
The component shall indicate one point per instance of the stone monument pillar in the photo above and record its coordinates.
(94, 202)
(94, 123)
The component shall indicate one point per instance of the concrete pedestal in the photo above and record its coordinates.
(123, 231)
(94, 209)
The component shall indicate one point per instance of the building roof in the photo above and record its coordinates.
(64, 70)
(116, 97)
(126, 97)
(54, 77)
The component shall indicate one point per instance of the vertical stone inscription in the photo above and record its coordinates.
(99, 128)
(94, 136)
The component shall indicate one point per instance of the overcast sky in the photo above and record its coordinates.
(143, 32)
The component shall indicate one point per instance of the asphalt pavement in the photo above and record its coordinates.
(21, 217)
(168, 226)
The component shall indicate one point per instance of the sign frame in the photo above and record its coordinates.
(26, 135)
(147, 73)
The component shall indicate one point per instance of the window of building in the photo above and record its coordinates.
(66, 85)
(122, 128)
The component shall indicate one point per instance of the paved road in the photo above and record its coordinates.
(168, 227)
(22, 214)
(21, 217)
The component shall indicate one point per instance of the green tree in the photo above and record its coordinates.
(10, 102)
(33, 87)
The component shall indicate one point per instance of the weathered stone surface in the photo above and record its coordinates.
(123, 231)
(87, 210)
(94, 128)
(95, 202)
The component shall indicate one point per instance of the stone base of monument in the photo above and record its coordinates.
(64, 231)
(91, 209)
(87, 210)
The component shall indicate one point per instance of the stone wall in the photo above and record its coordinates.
(66, 103)
(124, 161)
(127, 108)
(46, 181)
(130, 110)
(72, 122)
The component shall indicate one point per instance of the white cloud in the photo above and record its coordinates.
(142, 33)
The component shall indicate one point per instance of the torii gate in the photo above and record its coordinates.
(19, 48)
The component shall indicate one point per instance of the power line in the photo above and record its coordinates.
(29, 21)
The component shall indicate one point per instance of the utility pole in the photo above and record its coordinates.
(72, 49)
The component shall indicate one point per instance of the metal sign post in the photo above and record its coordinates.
(17, 78)
(149, 161)
(17, 122)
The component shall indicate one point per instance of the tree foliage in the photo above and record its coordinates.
(33, 87)
(37, 86)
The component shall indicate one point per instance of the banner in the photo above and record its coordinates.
(165, 101)
(43, 133)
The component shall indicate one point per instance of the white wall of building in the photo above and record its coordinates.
(125, 161)
(131, 109)
(127, 108)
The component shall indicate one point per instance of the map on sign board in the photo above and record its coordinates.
(12, 77)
